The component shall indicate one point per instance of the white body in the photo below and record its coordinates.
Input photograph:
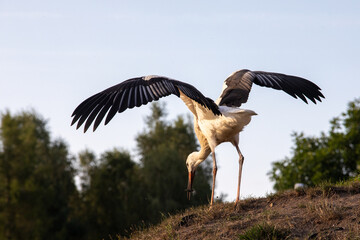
(212, 130)
(223, 128)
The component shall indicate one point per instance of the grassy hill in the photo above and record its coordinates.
(324, 212)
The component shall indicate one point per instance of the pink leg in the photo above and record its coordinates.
(241, 162)
(214, 177)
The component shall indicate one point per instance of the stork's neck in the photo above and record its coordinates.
(204, 152)
(195, 158)
(204, 144)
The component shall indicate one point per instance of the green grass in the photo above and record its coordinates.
(264, 232)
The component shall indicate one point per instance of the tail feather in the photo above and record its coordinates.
(237, 110)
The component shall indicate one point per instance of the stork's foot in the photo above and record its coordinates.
(236, 204)
(211, 206)
(189, 191)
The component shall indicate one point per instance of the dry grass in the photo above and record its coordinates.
(325, 212)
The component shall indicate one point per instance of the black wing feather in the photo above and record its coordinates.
(291, 86)
(130, 99)
(155, 92)
(238, 86)
(88, 103)
(140, 96)
(122, 104)
(113, 110)
(98, 111)
(301, 87)
(131, 93)
(92, 107)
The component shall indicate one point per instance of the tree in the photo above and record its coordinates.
(36, 180)
(38, 197)
(331, 157)
(163, 148)
(112, 194)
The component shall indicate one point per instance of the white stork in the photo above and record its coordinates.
(214, 122)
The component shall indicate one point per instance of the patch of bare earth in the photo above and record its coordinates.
(318, 213)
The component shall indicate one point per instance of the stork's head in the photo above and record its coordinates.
(192, 162)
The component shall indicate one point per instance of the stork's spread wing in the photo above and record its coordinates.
(131, 93)
(238, 85)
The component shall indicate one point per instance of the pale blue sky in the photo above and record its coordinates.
(54, 54)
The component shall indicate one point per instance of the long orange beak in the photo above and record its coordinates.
(190, 182)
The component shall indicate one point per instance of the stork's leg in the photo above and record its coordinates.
(214, 177)
(241, 161)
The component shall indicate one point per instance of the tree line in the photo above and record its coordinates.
(39, 198)
(331, 157)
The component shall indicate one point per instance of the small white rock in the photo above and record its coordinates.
(299, 186)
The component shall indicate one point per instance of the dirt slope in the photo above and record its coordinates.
(327, 212)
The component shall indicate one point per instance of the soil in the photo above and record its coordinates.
(327, 212)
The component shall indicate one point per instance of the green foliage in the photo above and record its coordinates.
(332, 157)
(36, 180)
(112, 194)
(39, 199)
(264, 232)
